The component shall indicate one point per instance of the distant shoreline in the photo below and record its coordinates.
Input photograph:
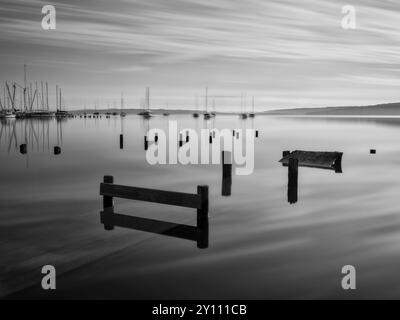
(388, 109)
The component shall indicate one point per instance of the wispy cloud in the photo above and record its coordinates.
(269, 48)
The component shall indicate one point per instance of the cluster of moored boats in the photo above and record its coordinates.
(30, 101)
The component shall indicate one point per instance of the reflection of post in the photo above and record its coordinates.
(202, 217)
(293, 172)
(108, 203)
(226, 173)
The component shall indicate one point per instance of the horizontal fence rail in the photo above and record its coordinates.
(151, 195)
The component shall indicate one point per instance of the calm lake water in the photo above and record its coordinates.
(260, 246)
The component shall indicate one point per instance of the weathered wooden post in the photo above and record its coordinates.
(285, 153)
(156, 138)
(226, 173)
(121, 141)
(211, 139)
(187, 136)
(57, 150)
(233, 132)
(202, 217)
(293, 173)
(23, 148)
(146, 143)
(256, 133)
(180, 143)
(337, 165)
(108, 205)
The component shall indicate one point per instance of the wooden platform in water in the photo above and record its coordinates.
(316, 159)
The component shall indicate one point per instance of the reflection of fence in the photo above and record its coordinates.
(198, 201)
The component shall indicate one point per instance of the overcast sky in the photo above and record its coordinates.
(287, 53)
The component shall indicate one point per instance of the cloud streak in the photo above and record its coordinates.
(288, 54)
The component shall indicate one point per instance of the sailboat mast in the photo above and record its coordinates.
(42, 100)
(206, 102)
(47, 96)
(37, 98)
(57, 97)
(25, 87)
(148, 98)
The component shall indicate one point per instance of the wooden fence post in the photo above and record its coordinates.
(202, 217)
(285, 153)
(121, 141)
(293, 173)
(23, 148)
(226, 173)
(108, 203)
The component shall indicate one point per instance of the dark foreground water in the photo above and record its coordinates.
(260, 246)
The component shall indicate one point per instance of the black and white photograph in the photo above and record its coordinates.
(199, 150)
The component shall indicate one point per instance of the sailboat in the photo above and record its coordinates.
(207, 115)
(60, 113)
(196, 114)
(243, 115)
(9, 115)
(146, 112)
(252, 114)
(122, 114)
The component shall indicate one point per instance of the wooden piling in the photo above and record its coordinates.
(146, 143)
(23, 148)
(57, 150)
(211, 139)
(108, 202)
(226, 173)
(180, 143)
(293, 173)
(233, 132)
(121, 141)
(285, 153)
(156, 137)
(256, 133)
(202, 217)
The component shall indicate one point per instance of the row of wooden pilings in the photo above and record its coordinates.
(181, 140)
(23, 149)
